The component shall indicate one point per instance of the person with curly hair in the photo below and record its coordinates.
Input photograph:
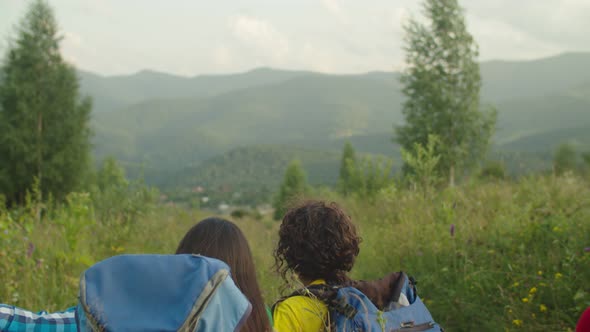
(319, 244)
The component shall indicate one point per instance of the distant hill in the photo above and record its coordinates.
(505, 80)
(169, 125)
(313, 108)
(310, 109)
(547, 142)
(252, 174)
(116, 92)
(519, 118)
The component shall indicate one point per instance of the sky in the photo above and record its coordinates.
(193, 37)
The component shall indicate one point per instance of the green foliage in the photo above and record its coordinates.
(421, 163)
(246, 213)
(111, 175)
(365, 177)
(442, 84)
(294, 186)
(349, 180)
(44, 123)
(516, 259)
(248, 175)
(493, 170)
(118, 200)
(65, 229)
(585, 158)
(565, 159)
(52, 252)
(374, 174)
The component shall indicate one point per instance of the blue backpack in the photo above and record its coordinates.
(352, 311)
(187, 293)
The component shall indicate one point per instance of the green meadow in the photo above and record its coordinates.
(488, 256)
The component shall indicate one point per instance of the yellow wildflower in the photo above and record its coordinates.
(525, 299)
(533, 290)
(542, 308)
(72, 281)
(117, 249)
(558, 275)
(540, 272)
(515, 284)
(517, 322)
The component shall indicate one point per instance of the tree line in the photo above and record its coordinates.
(45, 134)
(447, 129)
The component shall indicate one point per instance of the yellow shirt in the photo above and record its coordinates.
(301, 314)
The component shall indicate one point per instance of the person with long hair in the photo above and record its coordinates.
(212, 237)
(222, 239)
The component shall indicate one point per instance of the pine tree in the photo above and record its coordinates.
(442, 84)
(294, 186)
(44, 123)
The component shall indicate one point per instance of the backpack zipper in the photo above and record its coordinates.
(415, 328)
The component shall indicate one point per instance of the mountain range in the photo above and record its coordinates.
(175, 127)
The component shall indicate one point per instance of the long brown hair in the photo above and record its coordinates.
(222, 239)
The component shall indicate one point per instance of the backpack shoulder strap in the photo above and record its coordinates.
(327, 294)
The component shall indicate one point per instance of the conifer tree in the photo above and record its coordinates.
(44, 122)
(294, 186)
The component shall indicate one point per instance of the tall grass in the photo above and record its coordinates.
(487, 256)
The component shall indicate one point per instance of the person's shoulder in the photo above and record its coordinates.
(17, 319)
(302, 302)
(300, 313)
(584, 321)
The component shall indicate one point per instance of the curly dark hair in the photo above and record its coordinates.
(317, 240)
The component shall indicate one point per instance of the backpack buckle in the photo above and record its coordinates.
(406, 325)
(345, 309)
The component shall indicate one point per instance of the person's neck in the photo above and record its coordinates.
(307, 281)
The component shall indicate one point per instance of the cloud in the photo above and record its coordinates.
(100, 7)
(72, 38)
(222, 57)
(497, 38)
(72, 47)
(396, 19)
(316, 59)
(334, 7)
(338, 36)
(72, 60)
(261, 37)
(556, 22)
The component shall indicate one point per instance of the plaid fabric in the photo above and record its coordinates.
(13, 319)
